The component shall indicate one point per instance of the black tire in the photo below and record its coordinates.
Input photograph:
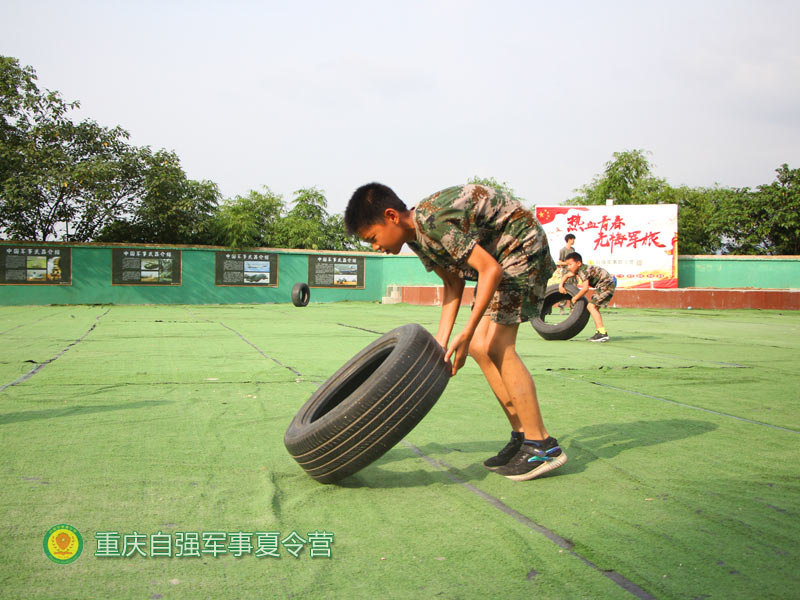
(569, 327)
(300, 294)
(369, 404)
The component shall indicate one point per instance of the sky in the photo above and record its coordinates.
(421, 95)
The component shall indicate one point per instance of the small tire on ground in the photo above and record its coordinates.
(569, 327)
(369, 404)
(300, 294)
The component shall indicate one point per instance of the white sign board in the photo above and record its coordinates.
(636, 242)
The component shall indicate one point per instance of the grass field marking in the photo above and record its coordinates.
(675, 402)
(41, 365)
(361, 328)
(261, 352)
(561, 542)
(701, 360)
(31, 322)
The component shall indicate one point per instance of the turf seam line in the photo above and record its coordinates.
(261, 352)
(361, 328)
(31, 323)
(702, 360)
(559, 541)
(682, 404)
(41, 365)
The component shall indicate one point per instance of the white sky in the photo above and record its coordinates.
(421, 95)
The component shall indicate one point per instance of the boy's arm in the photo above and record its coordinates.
(584, 285)
(453, 288)
(561, 287)
(489, 275)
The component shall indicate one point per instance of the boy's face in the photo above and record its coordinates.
(573, 265)
(388, 236)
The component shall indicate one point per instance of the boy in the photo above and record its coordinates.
(562, 264)
(604, 284)
(475, 232)
(562, 255)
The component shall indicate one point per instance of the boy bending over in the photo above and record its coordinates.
(481, 234)
(604, 284)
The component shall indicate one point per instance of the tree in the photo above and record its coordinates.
(170, 207)
(308, 224)
(174, 209)
(250, 221)
(492, 182)
(627, 179)
(58, 178)
(766, 221)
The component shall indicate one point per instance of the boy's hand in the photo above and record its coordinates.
(459, 350)
(561, 288)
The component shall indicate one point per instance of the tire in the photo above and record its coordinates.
(300, 294)
(569, 327)
(369, 404)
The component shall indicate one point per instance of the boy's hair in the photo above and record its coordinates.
(574, 256)
(367, 206)
(569, 237)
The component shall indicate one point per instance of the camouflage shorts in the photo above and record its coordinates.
(514, 304)
(603, 292)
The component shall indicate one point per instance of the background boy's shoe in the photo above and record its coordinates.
(599, 337)
(534, 459)
(507, 453)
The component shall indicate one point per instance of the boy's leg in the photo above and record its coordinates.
(595, 312)
(494, 349)
(478, 350)
(600, 298)
(539, 453)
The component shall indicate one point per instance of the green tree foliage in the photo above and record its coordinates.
(709, 219)
(58, 178)
(250, 221)
(766, 221)
(492, 182)
(627, 179)
(308, 225)
(170, 208)
(261, 219)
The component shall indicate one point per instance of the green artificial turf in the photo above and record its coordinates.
(682, 482)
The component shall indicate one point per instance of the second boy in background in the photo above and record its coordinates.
(604, 284)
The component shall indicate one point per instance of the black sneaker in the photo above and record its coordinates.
(507, 453)
(534, 459)
(599, 337)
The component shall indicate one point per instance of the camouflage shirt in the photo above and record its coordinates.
(596, 275)
(451, 222)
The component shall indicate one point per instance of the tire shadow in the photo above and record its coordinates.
(384, 473)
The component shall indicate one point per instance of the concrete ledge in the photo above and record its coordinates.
(711, 298)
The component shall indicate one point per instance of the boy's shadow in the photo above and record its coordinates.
(605, 441)
(583, 446)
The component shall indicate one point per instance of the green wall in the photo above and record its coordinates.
(91, 278)
(91, 281)
(765, 272)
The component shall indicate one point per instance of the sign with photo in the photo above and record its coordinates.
(135, 266)
(46, 265)
(346, 272)
(246, 268)
(636, 243)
